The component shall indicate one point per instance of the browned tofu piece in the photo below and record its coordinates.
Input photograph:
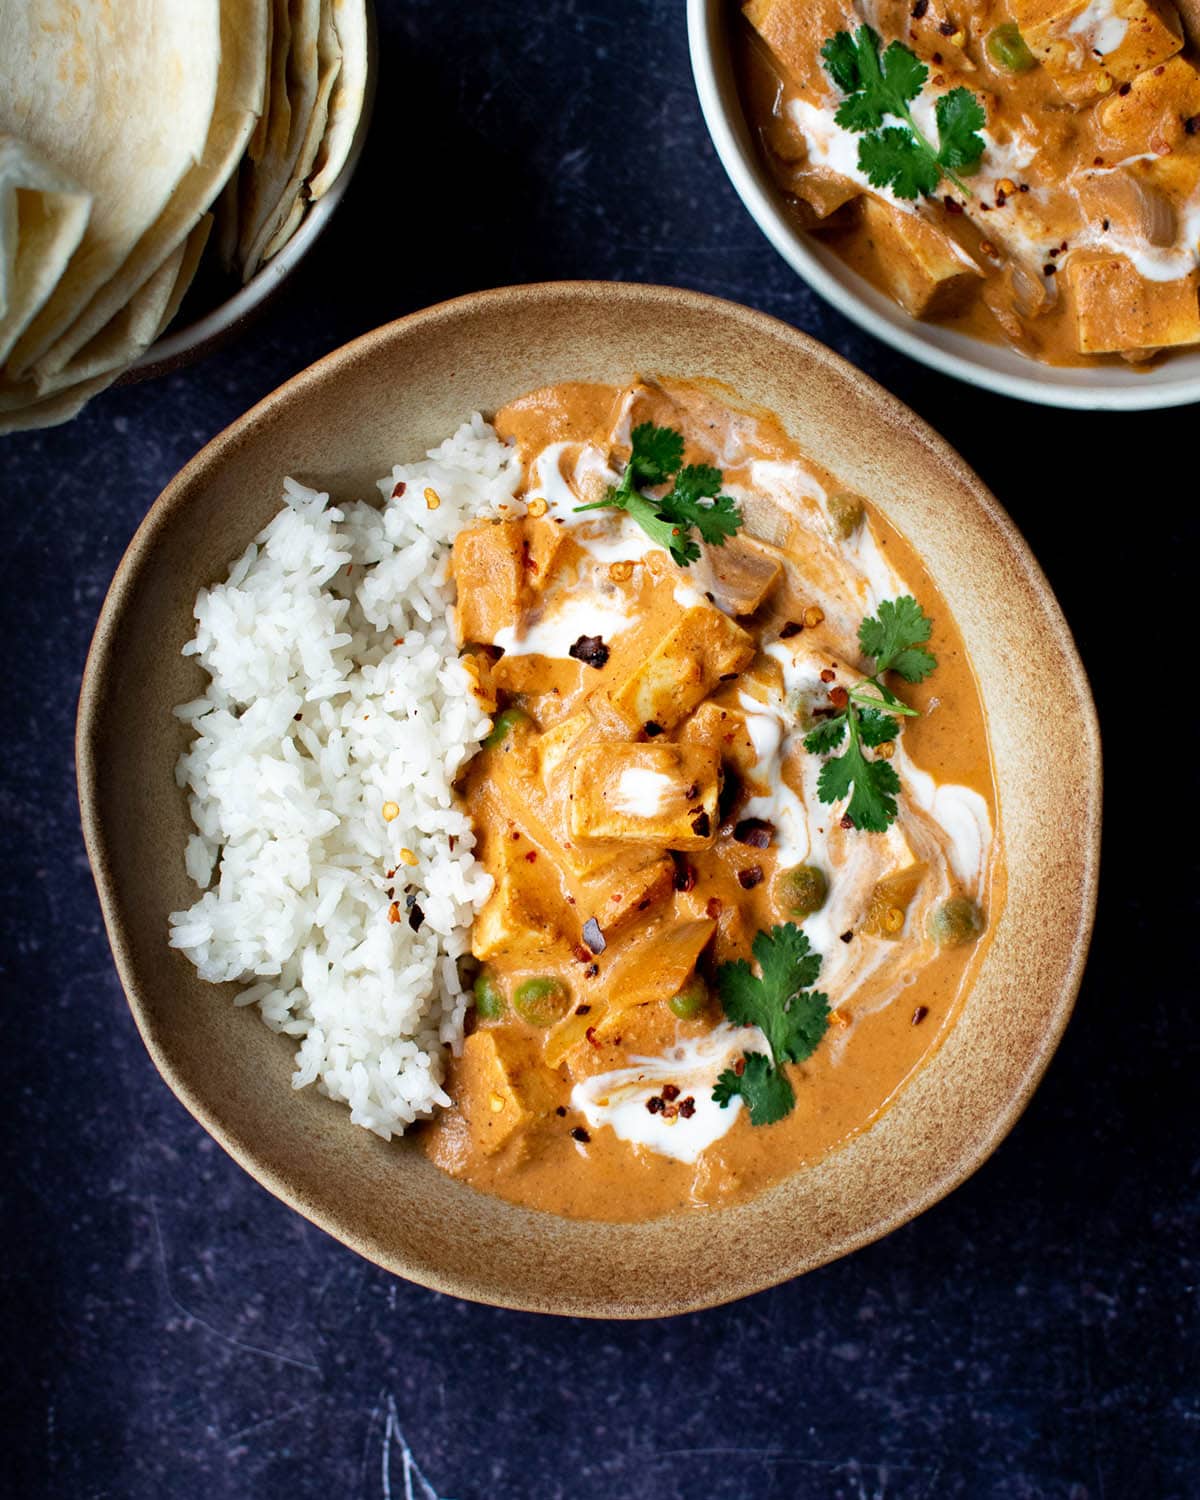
(1084, 50)
(703, 647)
(796, 32)
(1153, 113)
(724, 729)
(498, 1089)
(626, 890)
(664, 795)
(489, 574)
(513, 919)
(922, 268)
(657, 969)
(744, 574)
(1117, 312)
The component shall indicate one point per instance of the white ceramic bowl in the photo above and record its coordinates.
(1174, 382)
(183, 344)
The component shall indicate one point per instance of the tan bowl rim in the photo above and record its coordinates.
(971, 1153)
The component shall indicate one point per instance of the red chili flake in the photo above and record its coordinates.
(1001, 200)
(670, 1092)
(593, 937)
(531, 856)
(1124, 89)
(1191, 125)
(561, 1110)
(580, 1134)
(670, 1111)
(399, 641)
(650, 729)
(937, 59)
(947, 28)
(515, 835)
(389, 875)
(828, 675)
(919, 1014)
(685, 874)
(655, 1105)
(398, 489)
(839, 697)
(748, 879)
(692, 791)
(583, 1010)
(1049, 270)
(415, 917)
(953, 206)
(846, 936)
(702, 826)
(919, 9)
(1098, 161)
(793, 627)
(755, 832)
(713, 909)
(739, 1067)
(847, 821)
(687, 1107)
(297, 717)
(1024, 187)
(582, 955)
(590, 650)
(452, 840)
(1054, 252)
(591, 971)
(590, 1034)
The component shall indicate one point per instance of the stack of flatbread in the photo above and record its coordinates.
(137, 138)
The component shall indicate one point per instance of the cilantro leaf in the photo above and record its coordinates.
(792, 1017)
(877, 88)
(656, 454)
(872, 804)
(892, 158)
(960, 117)
(876, 728)
(894, 638)
(767, 1092)
(827, 735)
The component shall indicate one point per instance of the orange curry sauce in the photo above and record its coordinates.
(678, 885)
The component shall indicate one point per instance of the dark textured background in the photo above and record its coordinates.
(170, 1331)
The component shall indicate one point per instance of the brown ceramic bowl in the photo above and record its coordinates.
(339, 425)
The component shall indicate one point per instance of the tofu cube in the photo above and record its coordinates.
(703, 646)
(489, 573)
(744, 574)
(1117, 312)
(920, 266)
(498, 1090)
(724, 729)
(513, 919)
(627, 890)
(1084, 48)
(1154, 111)
(664, 795)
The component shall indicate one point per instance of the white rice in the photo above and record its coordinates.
(336, 687)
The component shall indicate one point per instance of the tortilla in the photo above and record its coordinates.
(349, 95)
(236, 111)
(42, 219)
(270, 178)
(192, 251)
(120, 99)
(284, 220)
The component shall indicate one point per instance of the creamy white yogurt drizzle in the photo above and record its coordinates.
(1099, 28)
(567, 615)
(642, 793)
(618, 1099)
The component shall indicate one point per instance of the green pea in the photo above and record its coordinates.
(690, 1000)
(955, 922)
(489, 997)
(846, 513)
(801, 890)
(1008, 50)
(504, 724)
(542, 1000)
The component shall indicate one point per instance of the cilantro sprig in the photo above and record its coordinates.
(694, 500)
(779, 1001)
(895, 640)
(882, 86)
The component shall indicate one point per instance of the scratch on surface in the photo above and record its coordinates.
(416, 1486)
(292, 1411)
(225, 1338)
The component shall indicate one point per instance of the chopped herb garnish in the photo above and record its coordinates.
(878, 87)
(791, 1016)
(895, 639)
(694, 501)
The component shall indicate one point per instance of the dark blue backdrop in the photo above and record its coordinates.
(170, 1331)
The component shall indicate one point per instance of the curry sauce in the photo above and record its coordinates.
(645, 807)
